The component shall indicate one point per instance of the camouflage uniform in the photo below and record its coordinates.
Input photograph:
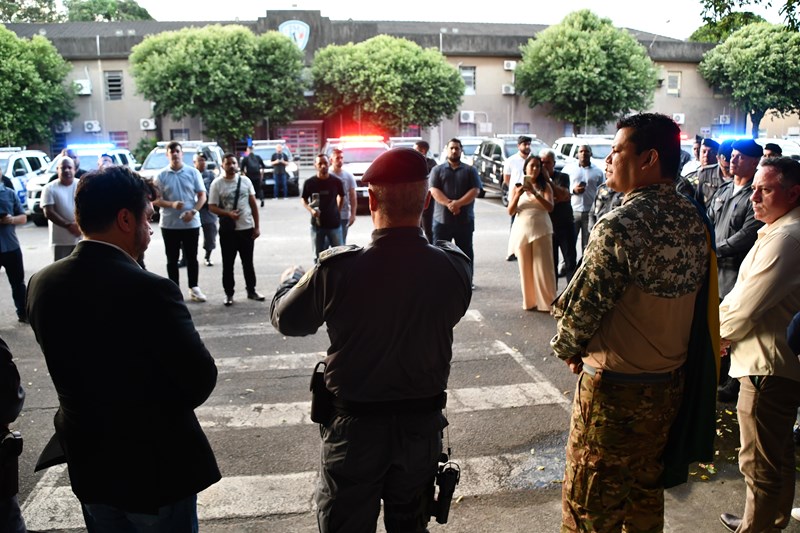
(653, 246)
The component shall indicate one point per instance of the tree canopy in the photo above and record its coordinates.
(716, 10)
(758, 67)
(33, 95)
(105, 10)
(718, 31)
(386, 81)
(29, 11)
(589, 71)
(225, 75)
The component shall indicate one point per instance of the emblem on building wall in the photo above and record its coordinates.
(297, 31)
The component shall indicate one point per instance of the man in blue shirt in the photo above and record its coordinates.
(454, 186)
(11, 214)
(584, 178)
(182, 195)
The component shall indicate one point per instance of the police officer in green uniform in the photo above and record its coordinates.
(389, 358)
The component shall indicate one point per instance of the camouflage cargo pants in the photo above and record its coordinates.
(613, 472)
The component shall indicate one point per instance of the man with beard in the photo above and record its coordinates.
(561, 215)
(513, 173)
(127, 389)
(455, 186)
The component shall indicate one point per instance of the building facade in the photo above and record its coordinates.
(110, 110)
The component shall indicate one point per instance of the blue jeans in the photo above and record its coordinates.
(179, 517)
(461, 234)
(281, 183)
(324, 238)
(345, 226)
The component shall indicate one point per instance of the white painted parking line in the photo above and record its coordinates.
(56, 507)
(267, 415)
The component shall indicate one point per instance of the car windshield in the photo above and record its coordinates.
(361, 154)
(159, 159)
(600, 151)
(265, 152)
(469, 147)
(3, 165)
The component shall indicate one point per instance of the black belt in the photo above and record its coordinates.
(618, 377)
(393, 407)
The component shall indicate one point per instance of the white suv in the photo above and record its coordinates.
(600, 144)
(20, 166)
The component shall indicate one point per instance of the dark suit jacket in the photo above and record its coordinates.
(129, 369)
(735, 229)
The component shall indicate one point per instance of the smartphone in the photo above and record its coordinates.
(527, 183)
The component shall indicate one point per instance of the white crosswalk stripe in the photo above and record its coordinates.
(53, 506)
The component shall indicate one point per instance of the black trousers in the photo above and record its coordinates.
(12, 262)
(174, 241)
(564, 240)
(232, 243)
(366, 459)
(257, 185)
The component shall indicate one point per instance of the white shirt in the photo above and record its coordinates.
(514, 167)
(62, 199)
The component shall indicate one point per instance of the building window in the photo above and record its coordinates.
(119, 138)
(674, 83)
(179, 134)
(468, 75)
(521, 128)
(113, 84)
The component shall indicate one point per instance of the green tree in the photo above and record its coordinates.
(386, 81)
(716, 10)
(29, 11)
(105, 10)
(718, 31)
(226, 75)
(588, 71)
(758, 67)
(33, 95)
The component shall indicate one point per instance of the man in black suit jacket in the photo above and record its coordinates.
(129, 369)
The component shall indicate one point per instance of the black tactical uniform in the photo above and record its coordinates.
(387, 365)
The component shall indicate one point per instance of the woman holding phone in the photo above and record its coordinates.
(531, 236)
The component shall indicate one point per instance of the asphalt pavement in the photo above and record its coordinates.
(509, 408)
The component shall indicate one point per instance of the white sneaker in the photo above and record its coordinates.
(197, 295)
(796, 513)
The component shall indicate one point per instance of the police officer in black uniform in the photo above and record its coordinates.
(389, 358)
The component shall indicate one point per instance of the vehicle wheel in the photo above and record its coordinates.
(39, 220)
(504, 196)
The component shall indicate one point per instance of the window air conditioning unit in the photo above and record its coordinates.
(507, 88)
(679, 118)
(509, 65)
(147, 124)
(724, 120)
(84, 87)
(63, 127)
(91, 126)
(467, 117)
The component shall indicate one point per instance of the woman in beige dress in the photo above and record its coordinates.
(531, 236)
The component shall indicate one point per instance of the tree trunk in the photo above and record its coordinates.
(755, 118)
(576, 128)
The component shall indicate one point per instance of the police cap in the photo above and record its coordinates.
(711, 143)
(398, 165)
(748, 147)
(726, 148)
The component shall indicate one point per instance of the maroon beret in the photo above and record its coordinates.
(398, 165)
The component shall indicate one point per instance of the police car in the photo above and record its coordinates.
(19, 166)
(87, 155)
(359, 151)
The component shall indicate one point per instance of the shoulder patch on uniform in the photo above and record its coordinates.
(448, 246)
(338, 251)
